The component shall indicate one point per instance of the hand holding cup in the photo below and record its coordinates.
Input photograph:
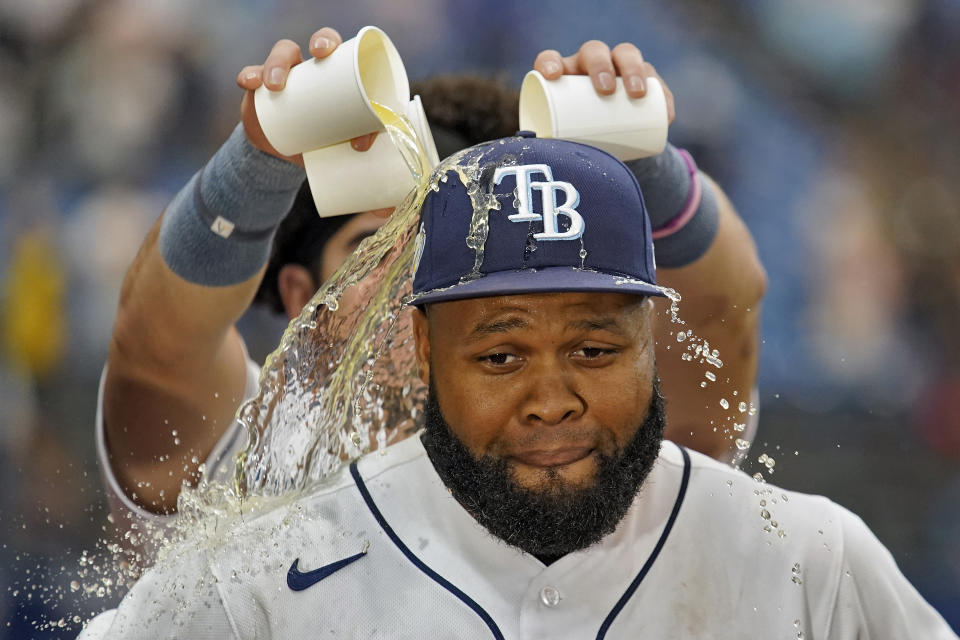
(273, 74)
(627, 112)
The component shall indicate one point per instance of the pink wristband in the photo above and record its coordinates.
(689, 207)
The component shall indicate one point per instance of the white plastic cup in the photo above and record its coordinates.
(344, 180)
(418, 118)
(327, 101)
(570, 108)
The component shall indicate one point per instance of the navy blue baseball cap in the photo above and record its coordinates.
(533, 215)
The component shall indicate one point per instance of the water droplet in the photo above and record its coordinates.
(724, 403)
(711, 376)
(703, 385)
(681, 336)
(74, 585)
(764, 514)
(742, 407)
(742, 444)
(739, 426)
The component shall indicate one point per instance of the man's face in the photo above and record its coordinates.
(544, 414)
(548, 383)
(347, 238)
(339, 247)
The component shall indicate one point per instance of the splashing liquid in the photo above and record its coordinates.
(341, 382)
(343, 378)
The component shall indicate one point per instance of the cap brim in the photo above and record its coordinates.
(548, 280)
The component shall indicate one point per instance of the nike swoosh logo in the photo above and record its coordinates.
(298, 581)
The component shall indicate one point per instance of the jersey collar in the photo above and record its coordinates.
(410, 497)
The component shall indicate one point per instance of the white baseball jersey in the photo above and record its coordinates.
(384, 550)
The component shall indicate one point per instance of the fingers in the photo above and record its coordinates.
(595, 60)
(324, 42)
(629, 63)
(250, 77)
(284, 55)
(651, 72)
(603, 66)
(363, 142)
(549, 63)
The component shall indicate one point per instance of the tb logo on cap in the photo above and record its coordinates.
(548, 196)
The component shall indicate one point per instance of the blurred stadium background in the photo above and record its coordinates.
(833, 125)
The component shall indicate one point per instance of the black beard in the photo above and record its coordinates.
(556, 520)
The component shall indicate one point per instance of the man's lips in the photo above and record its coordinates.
(552, 457)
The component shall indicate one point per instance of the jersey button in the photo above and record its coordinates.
(549, 596)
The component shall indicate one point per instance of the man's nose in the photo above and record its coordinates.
(551, 398)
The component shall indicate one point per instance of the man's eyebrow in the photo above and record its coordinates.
(483, 329)
(596, 324)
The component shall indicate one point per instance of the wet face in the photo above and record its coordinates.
(547, 383)
(347, 238)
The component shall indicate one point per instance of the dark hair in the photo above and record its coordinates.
(299, 240)
(463, 110)
(467, 109)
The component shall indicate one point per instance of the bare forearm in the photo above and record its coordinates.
(721, 295)
(175, 365)
(166, 324)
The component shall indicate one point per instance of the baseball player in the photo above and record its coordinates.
(540, 499)
(177, 368)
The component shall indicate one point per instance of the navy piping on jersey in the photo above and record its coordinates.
(443, 582)
(621, 603)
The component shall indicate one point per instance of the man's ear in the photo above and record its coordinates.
(421, 336)
(296, 286)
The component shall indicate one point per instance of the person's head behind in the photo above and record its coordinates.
(463, 110)
(544, 413)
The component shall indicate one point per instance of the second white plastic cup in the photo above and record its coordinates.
(327, 101)
(344, 180)
(570, 108)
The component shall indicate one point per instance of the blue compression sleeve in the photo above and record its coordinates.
(665, 181)
(219, 228)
